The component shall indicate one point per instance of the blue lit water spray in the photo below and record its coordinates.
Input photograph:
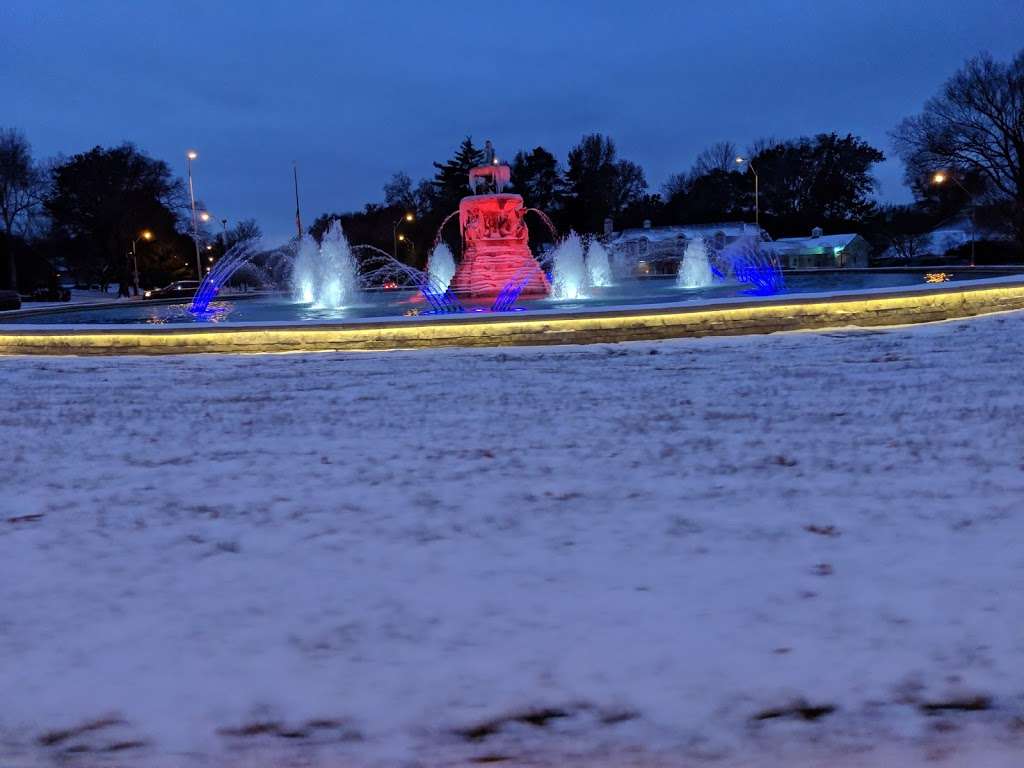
(379, 269)
(745, 261)
(506, 299)
(234, 259)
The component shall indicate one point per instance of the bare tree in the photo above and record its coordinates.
(21, 187)
(676, 184)
(975, 125)
(763, 144)
(398, 192)
(720, 156)
(908, 246)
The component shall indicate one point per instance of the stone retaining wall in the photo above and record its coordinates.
(788, 313)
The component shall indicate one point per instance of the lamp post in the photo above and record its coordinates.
(757, 206)
(410, 243)
(940, 178)
(143, 235)
(394, 233)
(189, 157)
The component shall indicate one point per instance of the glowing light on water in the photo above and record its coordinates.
(441, 266)
(569, 273)
(695, 270)
(325, 276)
(747, 262)
(599, 269)
(305, 271)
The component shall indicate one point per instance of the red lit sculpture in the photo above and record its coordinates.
(495, 249)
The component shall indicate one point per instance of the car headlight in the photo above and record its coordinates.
(146, 294)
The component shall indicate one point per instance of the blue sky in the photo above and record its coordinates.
(354, 91)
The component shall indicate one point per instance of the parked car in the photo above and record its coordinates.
(56, 293)
(182, 289)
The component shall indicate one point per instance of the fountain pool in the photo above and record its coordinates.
(281, 307)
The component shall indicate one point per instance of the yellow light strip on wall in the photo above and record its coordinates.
(502, 330)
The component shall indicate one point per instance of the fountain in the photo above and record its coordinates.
(326, 276)
(599, 269)
(695, 270)
(305, 274)
(569, 271)
(441, 266)
(746, 262)
(495, 248)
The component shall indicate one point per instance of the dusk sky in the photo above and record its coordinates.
(354, 91)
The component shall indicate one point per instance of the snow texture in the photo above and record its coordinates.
(795, 550)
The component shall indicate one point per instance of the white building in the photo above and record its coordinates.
(821, 251)
(658, 250)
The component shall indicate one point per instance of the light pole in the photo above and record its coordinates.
(224, 226)
(940, 178)
(757, 206)
(190, 156)
(394, 233)
(410, 243)
(143, 235)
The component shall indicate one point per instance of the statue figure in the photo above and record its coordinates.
(491, 176)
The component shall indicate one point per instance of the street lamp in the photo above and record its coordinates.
(757, 207)
(143, 235)
(189, 157)
(410, 243)
(394, 232)
(939, 178)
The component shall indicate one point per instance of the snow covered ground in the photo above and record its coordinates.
(794, 550)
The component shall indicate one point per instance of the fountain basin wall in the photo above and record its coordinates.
(868, 308)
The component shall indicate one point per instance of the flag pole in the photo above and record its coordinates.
(298, 217)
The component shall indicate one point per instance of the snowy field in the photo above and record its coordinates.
(795, 550)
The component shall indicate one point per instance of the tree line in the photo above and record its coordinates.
(822, 180)
(89, 209)
(972, 132)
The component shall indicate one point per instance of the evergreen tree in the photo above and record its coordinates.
(452, 177)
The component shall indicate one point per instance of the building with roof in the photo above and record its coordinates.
(821, 251)
(658, 250)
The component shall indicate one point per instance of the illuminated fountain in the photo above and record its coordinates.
(325, 276)
(328, 276)
(695, 270)
(599, 268)
(495, 248)
(441, 265)
(305, 272)
(569, 270)
(747, 262)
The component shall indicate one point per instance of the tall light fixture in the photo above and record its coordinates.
(189, 157)
(757, 206)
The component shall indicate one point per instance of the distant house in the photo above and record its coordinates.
(821, 251)
(951, 234)
(658, 250)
